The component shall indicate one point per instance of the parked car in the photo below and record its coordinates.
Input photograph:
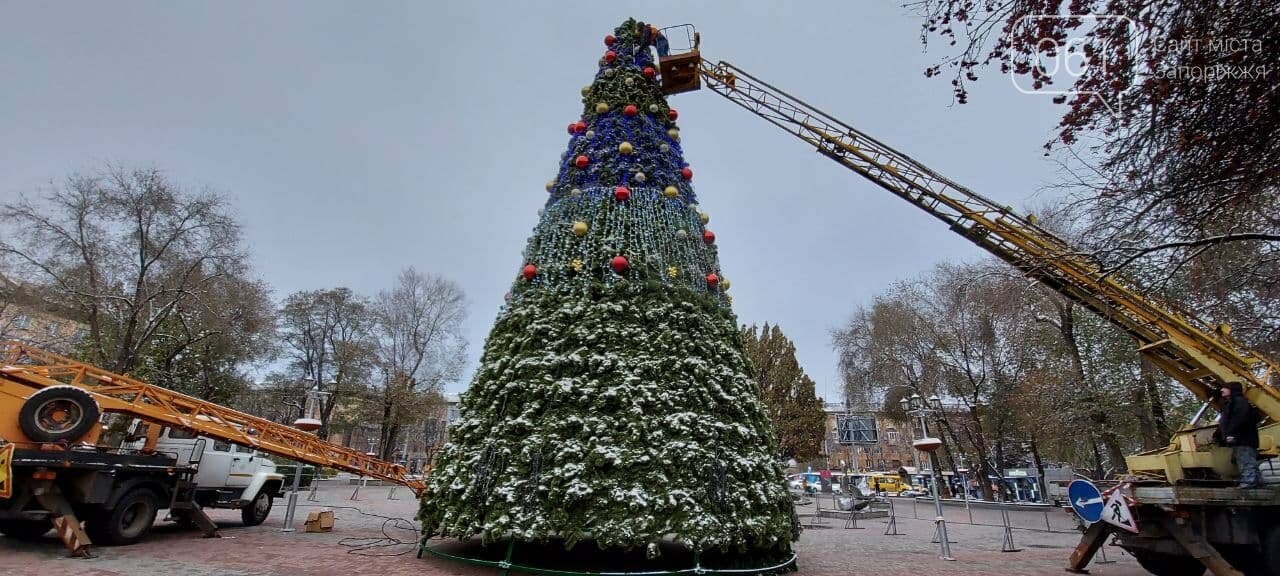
(913, 491)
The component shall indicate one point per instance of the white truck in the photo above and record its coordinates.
(227, 475)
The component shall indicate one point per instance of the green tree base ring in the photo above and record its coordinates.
(507, 566)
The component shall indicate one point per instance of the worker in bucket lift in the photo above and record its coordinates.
(1238, 429)
(652, 35)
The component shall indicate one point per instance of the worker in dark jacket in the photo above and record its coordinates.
(1238, 429)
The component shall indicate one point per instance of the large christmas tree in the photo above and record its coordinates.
(614, 401)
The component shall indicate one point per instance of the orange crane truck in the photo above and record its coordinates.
(186, 455)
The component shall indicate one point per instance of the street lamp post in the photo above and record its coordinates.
(309, 421)
(919, 407)
(297, 480)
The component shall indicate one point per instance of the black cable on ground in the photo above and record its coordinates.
(366, 546)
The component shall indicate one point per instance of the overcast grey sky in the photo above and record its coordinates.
(355, 139)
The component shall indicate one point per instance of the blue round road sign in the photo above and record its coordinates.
(1086, 500)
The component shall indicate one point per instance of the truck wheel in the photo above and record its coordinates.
(258, 510)
(128, 522)
(1168, 564)
(22, 529)
(58, 413)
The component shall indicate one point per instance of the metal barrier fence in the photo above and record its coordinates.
(1008, 518)
(1043, 518)
(1004, 515)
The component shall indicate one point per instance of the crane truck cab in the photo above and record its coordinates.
(227, 475)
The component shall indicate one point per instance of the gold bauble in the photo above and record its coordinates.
(602, 107)
(626, 148)
(704, 217)
(671, 192)
(674, 134)
(579, 228)
(550, 184)
(586, 89)
(724, 283)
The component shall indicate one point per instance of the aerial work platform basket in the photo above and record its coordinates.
(680, 69)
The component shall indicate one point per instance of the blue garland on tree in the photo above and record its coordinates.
(614, 400)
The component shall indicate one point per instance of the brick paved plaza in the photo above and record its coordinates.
(265, 550)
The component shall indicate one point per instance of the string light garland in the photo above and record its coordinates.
(617, 328)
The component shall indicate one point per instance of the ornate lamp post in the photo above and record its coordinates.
(919, 407)
(309, 422)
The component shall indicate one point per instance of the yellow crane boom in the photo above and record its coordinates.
(26, 368)
(1194, 353)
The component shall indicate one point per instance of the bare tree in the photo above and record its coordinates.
(417, 336)
(145, 263)
(326, 337)
(1169, 149)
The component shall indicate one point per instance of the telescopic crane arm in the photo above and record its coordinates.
(1198, 356)
(27, 367)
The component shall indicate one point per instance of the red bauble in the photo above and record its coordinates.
(712, 280)
(580, 127)
(621, 193)
(530, 271)
(609, 40)
(631, 110)
(685, 173)
(581, 161)
(572, 127)
(619, 264)
(709, 237)
(649, 72)
(609, 57)
(672, 114)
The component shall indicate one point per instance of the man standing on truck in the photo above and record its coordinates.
(1238, 428)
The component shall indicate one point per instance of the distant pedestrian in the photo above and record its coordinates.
(1238, 429)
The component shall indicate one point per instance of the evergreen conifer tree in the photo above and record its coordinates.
(789, 394)
(614, 401)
